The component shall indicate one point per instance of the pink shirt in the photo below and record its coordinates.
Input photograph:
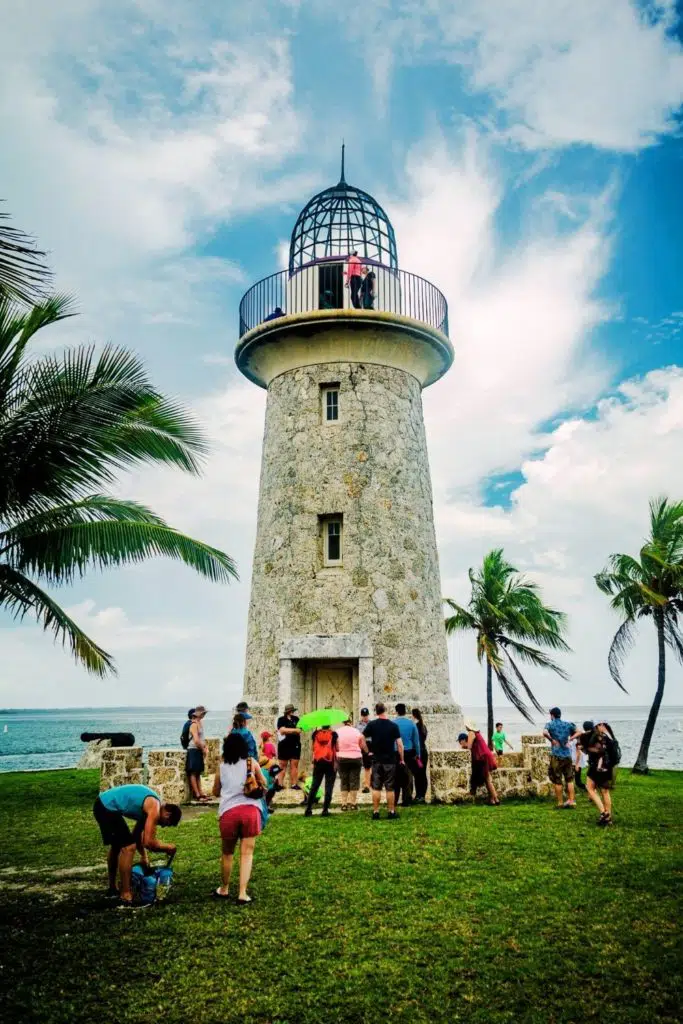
(269, 749)
(353, 267)
(348, 742)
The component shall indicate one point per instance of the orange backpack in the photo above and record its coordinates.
(323, 749)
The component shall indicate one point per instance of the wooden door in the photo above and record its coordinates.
(334, 686)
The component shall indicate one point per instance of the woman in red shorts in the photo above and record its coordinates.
(239, 816)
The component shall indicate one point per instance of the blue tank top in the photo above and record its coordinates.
(128, 800)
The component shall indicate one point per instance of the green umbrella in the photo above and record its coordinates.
(324, 716)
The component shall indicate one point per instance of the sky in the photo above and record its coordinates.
(529, 157)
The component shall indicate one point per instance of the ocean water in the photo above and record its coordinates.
(37, 739)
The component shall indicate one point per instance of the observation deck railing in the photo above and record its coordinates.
(321, 285)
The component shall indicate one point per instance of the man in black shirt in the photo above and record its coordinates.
(387, 750)
(289, 746)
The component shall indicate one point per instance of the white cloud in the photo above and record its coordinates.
(605, 74)
(583, 499)
(112, 628)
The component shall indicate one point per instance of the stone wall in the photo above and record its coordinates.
(164, 771)
(92, 755)
(121, 766)
(522, 773)
(371, 467)
(166, 775)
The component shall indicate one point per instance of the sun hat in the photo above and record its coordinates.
(289, 707)
(200, 710)
(471, 726)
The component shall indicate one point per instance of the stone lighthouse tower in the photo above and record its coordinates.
(346, 596)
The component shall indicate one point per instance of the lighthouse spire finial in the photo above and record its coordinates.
(342, 179)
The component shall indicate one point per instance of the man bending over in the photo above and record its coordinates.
(143, 806)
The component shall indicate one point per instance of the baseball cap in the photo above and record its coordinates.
(365, 711)
(265, 735)
(462, 736)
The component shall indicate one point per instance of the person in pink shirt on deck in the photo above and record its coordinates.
(351, 746)
(354, 278)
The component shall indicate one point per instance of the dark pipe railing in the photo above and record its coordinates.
(321, 285)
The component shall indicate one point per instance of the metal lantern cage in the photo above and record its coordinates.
(341, 220)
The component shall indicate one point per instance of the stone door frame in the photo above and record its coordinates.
(298, 652)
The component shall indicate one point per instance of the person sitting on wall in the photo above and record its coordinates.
(146, 809)
(277, 312)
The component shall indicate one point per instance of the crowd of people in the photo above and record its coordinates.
(380, 755)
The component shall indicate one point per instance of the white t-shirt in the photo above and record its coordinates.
(233, 777)
(581, 763)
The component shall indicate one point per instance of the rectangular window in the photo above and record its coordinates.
(330, 403)
(332, 540)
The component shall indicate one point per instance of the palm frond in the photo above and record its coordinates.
(673, 637)
(24, 274)
(77, 420)
(19, 596)
(621, 645)
(106, 533)
(511, 692)
(461, 620)
(522, 681)
(533, 656)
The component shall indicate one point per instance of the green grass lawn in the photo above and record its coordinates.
(479, 914)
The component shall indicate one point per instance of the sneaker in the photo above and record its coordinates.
(569, 805)
(325, 813)
(375, 815)
(308, 813)
(392, 816)
(604, 820)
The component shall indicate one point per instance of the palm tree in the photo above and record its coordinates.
(506, 612)
(23, 271)
(67, 424)
(649, 586)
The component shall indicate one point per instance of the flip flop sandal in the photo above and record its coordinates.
(216, 895)
(244, 903)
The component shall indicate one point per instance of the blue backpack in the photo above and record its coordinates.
(151, 884)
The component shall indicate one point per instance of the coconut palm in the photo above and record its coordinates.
(507, 614)
(650, 586)
(68, 423)
(24, 273)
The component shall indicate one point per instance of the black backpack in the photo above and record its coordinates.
(185, 735)
(613, 749)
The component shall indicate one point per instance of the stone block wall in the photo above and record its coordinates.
(522, 773)
(164, 772)
(92, 755)
(166, 775)
(121, 766)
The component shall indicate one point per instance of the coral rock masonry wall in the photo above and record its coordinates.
(121, 766)
(519, 774)
(166, 775)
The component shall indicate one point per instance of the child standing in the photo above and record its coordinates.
(499, 740)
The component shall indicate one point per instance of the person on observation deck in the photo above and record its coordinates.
(367, 288)
(354, 278)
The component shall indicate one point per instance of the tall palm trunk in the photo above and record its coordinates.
(489, 703)
(640, 767)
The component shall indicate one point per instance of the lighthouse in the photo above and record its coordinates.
(346, 603)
